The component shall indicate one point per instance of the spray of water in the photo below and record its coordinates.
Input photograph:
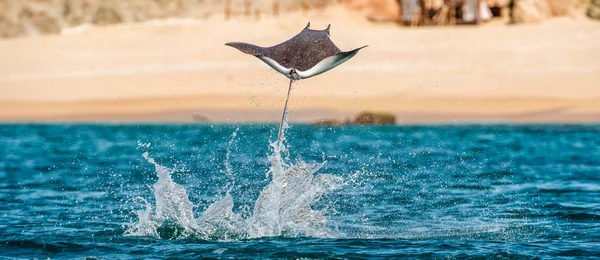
(283, 208)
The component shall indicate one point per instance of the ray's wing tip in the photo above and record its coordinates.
(358, 49)
(242, 46)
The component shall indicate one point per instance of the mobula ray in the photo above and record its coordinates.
(309, 53)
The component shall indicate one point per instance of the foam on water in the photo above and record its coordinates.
(283, 208)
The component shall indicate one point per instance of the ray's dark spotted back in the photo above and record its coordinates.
(304, 50)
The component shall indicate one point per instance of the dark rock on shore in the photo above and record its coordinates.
(375, 118)
(363, 118)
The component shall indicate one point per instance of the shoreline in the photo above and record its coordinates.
(267, 109)
(211, 124)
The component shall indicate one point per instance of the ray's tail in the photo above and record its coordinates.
(280, 134)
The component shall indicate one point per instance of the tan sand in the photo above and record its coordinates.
(173, 70)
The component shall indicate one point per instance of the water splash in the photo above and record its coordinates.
(284, 205)
(283, 208)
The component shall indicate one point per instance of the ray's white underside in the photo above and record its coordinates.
(321, 67)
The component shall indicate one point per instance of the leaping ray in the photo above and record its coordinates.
(309, 53)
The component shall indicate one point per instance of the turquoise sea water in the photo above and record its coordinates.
(224, 191)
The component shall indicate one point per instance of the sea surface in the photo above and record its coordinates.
(74, 191)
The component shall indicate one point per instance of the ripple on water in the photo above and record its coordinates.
(73, 191)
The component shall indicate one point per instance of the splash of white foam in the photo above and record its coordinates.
(283, 208)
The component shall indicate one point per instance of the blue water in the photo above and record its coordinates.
(472, 191)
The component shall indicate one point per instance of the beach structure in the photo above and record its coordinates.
(443, 12)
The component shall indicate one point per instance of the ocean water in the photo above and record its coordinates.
(70, 191)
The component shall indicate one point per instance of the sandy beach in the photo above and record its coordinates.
(181, 71)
